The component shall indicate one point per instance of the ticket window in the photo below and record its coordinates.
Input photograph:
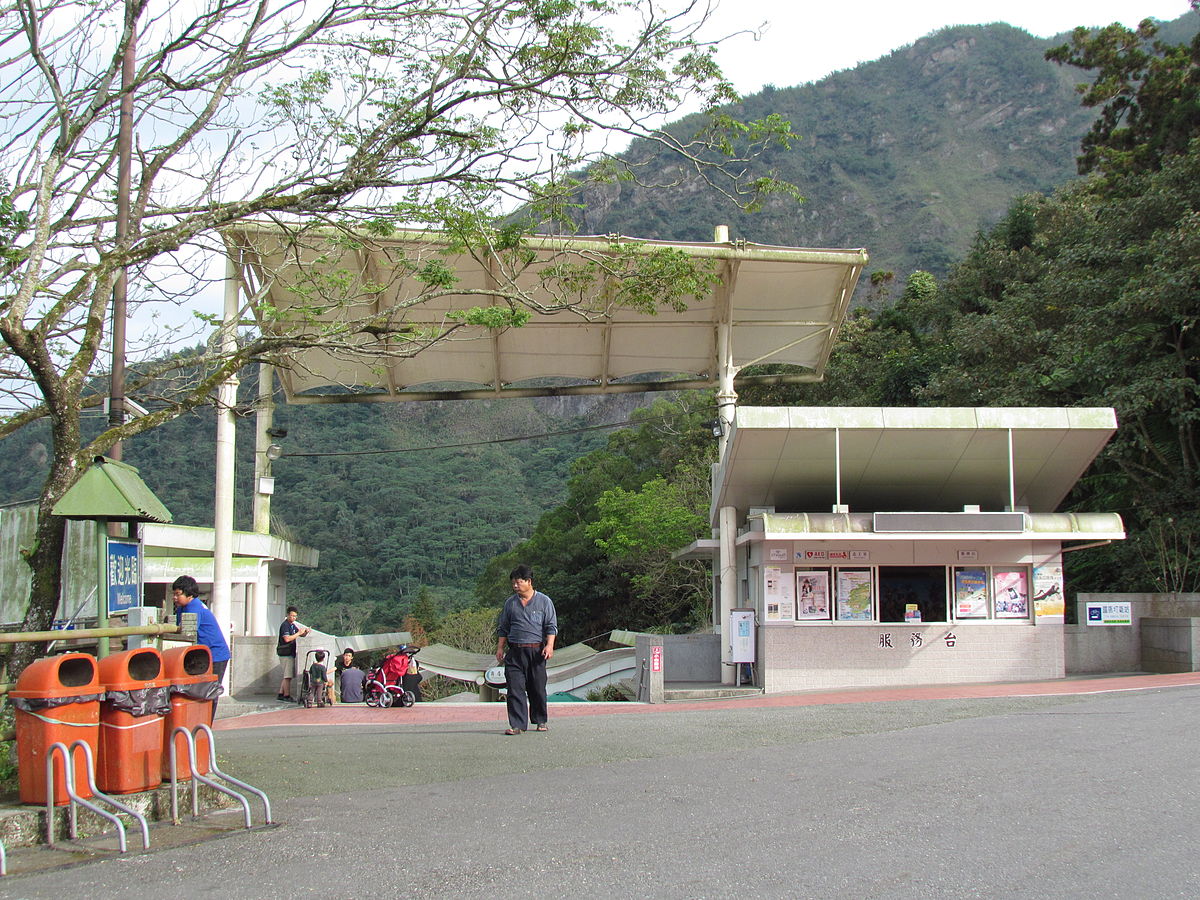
(912, 594)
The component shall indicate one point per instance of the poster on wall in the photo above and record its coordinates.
(854, 595)
(1011, 593)
(779, 601)
(812, 595)
(1048, 597)
(970, 594)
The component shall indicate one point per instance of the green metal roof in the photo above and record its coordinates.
(111, 490)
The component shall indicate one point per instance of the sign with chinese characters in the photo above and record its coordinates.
(779, 599)
(656, 658)
(970, 593)
(1048, 597)
(124, 575)
(812, 595)
(778, 554)
(1107, 613)
(854, 595)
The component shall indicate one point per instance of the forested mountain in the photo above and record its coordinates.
(908, 156)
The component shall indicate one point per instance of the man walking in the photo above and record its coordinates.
(525, 632)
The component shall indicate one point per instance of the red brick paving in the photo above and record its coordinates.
(446, 713)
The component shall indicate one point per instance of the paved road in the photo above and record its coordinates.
(1078, 796)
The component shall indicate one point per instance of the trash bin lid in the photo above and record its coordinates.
(132, 669)
(65, 675)
(188, 665)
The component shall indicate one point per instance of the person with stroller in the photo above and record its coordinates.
(525, 635)
(289, 631)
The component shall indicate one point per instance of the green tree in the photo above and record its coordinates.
(357, 118)
(1148, 92)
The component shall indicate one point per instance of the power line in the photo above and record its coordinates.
(504, 440)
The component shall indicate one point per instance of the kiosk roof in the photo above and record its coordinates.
(890, 459)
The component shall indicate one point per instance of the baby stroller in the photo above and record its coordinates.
(313, 688)
(384, 685)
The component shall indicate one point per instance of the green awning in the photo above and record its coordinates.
(111, 490)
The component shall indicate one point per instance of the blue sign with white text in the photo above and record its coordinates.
(124, 576)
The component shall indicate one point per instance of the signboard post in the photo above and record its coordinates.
(123, 575)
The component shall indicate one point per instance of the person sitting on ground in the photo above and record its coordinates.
(349, 678)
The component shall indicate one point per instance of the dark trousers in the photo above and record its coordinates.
(525, 672)
(218, 669)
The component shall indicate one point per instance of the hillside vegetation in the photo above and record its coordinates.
(908, 155)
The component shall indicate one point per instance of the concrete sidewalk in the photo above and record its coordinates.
(262, 712)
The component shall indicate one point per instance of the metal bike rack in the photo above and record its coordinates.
(198, 779)
(68, 757)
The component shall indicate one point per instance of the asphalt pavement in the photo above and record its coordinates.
(1028, 795)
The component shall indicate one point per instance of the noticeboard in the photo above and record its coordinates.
(124, 575)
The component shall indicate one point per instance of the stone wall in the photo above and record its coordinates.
(1099, 649)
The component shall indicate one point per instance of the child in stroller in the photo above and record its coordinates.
(384, 685)
(316, 679)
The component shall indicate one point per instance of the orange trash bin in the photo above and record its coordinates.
(55, 699)
(193, 687)
(136, 699)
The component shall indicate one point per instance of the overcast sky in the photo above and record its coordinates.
(804, 41)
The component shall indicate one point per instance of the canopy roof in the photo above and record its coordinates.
(111, 490)
(936, 459)
(778, 305)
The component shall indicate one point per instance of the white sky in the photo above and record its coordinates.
(804, 41)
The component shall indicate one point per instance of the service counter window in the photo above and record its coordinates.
(991, 592)
(912, 594)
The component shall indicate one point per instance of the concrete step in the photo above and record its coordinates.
(702, 691)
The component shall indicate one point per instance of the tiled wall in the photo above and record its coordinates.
(808, 657)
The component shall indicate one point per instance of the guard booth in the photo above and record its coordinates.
(903, 546)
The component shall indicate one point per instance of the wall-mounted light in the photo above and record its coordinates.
(274, 451)
(717, 426)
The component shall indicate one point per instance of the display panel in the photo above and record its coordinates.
(854, 595)
(970, 593)
(779, 603)
(812, 594)
(1011, 593)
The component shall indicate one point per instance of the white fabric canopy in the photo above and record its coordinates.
(776, 304)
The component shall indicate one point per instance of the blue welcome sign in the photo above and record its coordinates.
(124, 575)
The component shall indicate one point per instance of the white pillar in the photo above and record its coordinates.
(264, 418)
(728, 580)
(222, 605)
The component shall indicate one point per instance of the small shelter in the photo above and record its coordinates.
(902, 546)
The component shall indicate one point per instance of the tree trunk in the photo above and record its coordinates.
(44, 559)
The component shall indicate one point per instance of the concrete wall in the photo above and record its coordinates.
(686, 657)
(1097, 649)
(809, 657)
(254, 668)
(1170, 645)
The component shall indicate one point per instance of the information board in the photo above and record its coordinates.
(124, 575)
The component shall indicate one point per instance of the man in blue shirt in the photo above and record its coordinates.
(186, 594)
(526, 631)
